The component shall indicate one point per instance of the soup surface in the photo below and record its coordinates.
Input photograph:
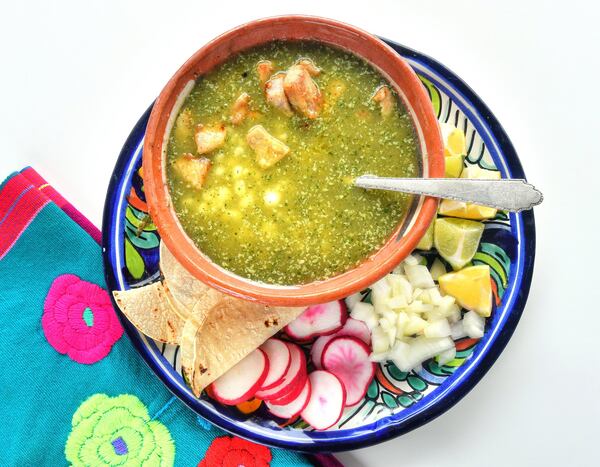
(261, 164)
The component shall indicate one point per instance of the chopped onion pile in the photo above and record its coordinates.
(411, 321)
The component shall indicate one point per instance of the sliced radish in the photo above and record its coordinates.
(318, 320)
(327, 400)
(294, 407)
(295, 373)
(356, 328)
(348, 359)
(294, 390)
(316, 351)
(278, 354)
(241, 382)
(352, 327)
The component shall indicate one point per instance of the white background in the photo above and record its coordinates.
(76, 75)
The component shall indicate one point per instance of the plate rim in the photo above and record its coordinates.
(381, 431)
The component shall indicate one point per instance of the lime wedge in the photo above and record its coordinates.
(456, 240)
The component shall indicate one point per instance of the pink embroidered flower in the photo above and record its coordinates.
(79, 319)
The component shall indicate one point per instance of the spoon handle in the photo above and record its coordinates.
(506, 194)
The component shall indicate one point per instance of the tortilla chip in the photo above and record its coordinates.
(190, 331)
(231, 330)
(175, 304)
(149, 310)
(219, 330)
(187, 291)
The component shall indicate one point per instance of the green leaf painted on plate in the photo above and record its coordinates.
(373, 390)
(416, 383)
(395, 372)
(133, 261)
(493, 263)
(389, 400)
(435, 369)
(487, 165)
(462, 354)
(140, 219)
(144, 240)
(405, 401)
(434, 95)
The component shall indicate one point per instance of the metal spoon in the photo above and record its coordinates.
(505, 194)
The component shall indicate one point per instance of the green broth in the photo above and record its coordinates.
(300, 220)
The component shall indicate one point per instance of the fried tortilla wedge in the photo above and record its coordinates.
(217, 330)
(150, 311)
(232, 328)
(187, 292)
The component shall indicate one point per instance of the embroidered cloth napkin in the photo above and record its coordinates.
(72, 388)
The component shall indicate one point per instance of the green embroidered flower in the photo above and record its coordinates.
(117, 431)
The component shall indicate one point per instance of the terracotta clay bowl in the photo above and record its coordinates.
(408, 231)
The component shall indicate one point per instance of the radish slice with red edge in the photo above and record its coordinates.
(293, 392)
(318, 320)
(352, 327)
(327, 400)
(316, 351)
(348, 359)
(356, 328)
(278, 354)
(294, 407)
(295, 372)
(241, 382)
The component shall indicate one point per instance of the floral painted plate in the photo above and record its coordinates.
(396, 402)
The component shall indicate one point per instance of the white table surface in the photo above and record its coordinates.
(75, 76)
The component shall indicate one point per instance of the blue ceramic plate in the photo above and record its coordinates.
(396, 402)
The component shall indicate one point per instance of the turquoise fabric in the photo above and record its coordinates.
(40, 389)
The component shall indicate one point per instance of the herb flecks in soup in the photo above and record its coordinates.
(262, 157)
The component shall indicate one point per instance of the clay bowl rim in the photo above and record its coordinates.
(291, 27)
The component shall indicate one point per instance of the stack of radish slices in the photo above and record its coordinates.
(277, 372)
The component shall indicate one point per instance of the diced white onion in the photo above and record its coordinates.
(455, 315)
(391, 335)
(397, 302)
(458, 330)
(365, 312)
(446, 305)
(410, 320)
(400, 286)
(419, 350)
(415, 325)
(381, 289)
(401, 322)
(353, 299)
(389, 315)
(474, 325)
(385, 324)
(440, 328)
(418, 307)
(379, 340)
(378, 357)
(411, 260)
(419, 276)
(446, 356)
(416, 295)
(435, 297)
(437, 269)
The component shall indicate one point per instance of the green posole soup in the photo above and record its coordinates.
(263, 154)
